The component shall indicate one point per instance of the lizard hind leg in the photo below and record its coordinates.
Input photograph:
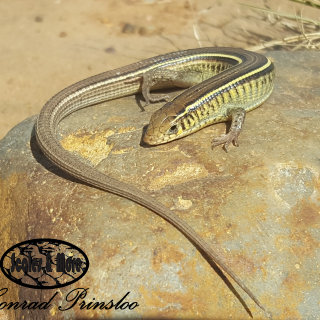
(166, 78)
(238, 116)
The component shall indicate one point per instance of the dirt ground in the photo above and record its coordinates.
(48, 45)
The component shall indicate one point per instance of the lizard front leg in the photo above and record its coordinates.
(238, 116)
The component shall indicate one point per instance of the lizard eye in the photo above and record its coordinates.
(173, 129)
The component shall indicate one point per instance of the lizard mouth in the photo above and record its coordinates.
(152, 139)
(149, 139)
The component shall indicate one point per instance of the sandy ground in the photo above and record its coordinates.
(48, 45)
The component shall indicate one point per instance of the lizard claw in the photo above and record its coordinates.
(226, 139)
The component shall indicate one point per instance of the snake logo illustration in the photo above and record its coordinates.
(44, 263)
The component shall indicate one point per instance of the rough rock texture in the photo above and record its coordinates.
(259, 206)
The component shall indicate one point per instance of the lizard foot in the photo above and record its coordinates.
(226, 139)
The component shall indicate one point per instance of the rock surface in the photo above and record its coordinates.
(258, 205)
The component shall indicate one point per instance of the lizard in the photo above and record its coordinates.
(223, 84)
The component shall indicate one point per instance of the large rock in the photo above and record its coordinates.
(258, 205)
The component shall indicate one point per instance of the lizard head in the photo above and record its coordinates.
(167, 124)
